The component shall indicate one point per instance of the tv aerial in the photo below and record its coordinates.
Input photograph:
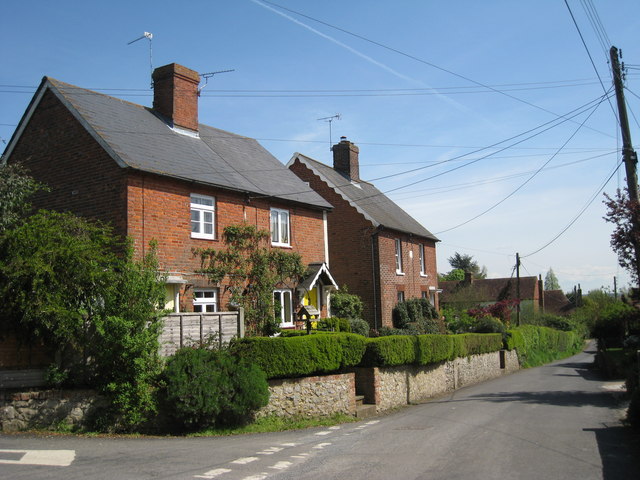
(148, 36)
(208, 75)
(330, 120)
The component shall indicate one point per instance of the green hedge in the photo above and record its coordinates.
(426, 349)
(305, 355)
(538, 345)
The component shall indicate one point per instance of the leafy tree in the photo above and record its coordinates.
(345, 304)
(466, 263)
(54, 270)
(551, 281)
(624, 214)
(252, 270)
(62, 283)
(455, 275)
(15, 189)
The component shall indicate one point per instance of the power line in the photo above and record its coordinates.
(528, 179)
(417, 59)
(575, 219)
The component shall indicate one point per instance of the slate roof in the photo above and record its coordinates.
(137, 138)
(488, 290)
(557, 303)
(367, 199)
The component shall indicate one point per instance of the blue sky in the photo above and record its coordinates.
(408, 79)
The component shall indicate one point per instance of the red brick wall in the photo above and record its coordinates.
(411, 282)
(352, 260)
(81, 176)
(159, 209)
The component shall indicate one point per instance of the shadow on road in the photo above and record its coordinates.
(619, 451)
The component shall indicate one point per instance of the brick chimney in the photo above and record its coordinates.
(345, 159)
(175, 95)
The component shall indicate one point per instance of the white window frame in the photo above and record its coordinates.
(200, 204)
(423, 263)
(284, 321)
(278, 227)
(203, 298)
(398, 254)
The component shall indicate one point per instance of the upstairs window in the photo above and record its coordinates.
(202, 216)
(423, 265)
(398, 256)
(280, 227)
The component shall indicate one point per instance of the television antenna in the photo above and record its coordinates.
(148, 36)
(330, 121)
(207, 76)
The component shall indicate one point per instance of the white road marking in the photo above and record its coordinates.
(213, 473)
(260, 476)
(335, 427)
(244, 460)
(50, 458)
(281, 465)
(372, 422)
(270, 451)
(288, 444)
(325, 432)
(321, 445)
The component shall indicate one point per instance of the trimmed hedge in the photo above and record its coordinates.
(426, 349)
(538, 345)
(286, 357)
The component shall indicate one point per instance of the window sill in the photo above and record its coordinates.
(401, 274)
(424, 275)
(203, 237)
(281, 245)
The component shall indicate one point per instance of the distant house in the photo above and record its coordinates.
(377, 249)
(472, 292)
(158, 174)
(557, 303)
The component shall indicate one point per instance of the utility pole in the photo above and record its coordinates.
(615, 288)
(518, 289)
(628, 153)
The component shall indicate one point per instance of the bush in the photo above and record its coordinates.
(345, 304)
(418, 314)
(488, 325)
(282, 357)
(212, 388)
(539, 345)
(359, 326)
(426, 349)
(334, 324)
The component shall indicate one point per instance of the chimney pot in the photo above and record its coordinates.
(175, 95)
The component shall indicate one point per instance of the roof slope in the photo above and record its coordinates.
(488, 290)
(137, 138)
(367, 199)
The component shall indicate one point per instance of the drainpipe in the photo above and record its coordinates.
(375, 266)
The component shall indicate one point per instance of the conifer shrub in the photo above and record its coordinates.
(359, 326)
(207, 388)
(334, 324)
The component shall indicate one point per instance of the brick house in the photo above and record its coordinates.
(472, 292)
(378, 250)
(158, 174)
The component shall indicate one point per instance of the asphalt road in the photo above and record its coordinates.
(552, 422)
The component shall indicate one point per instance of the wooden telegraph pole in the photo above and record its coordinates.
(628, 153)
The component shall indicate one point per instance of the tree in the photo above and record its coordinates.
(15, 189)
(252, 271)
(466, 263)
(551, 281)
(455, 275)
(624, 213)
(63, 284)
(345, 304)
